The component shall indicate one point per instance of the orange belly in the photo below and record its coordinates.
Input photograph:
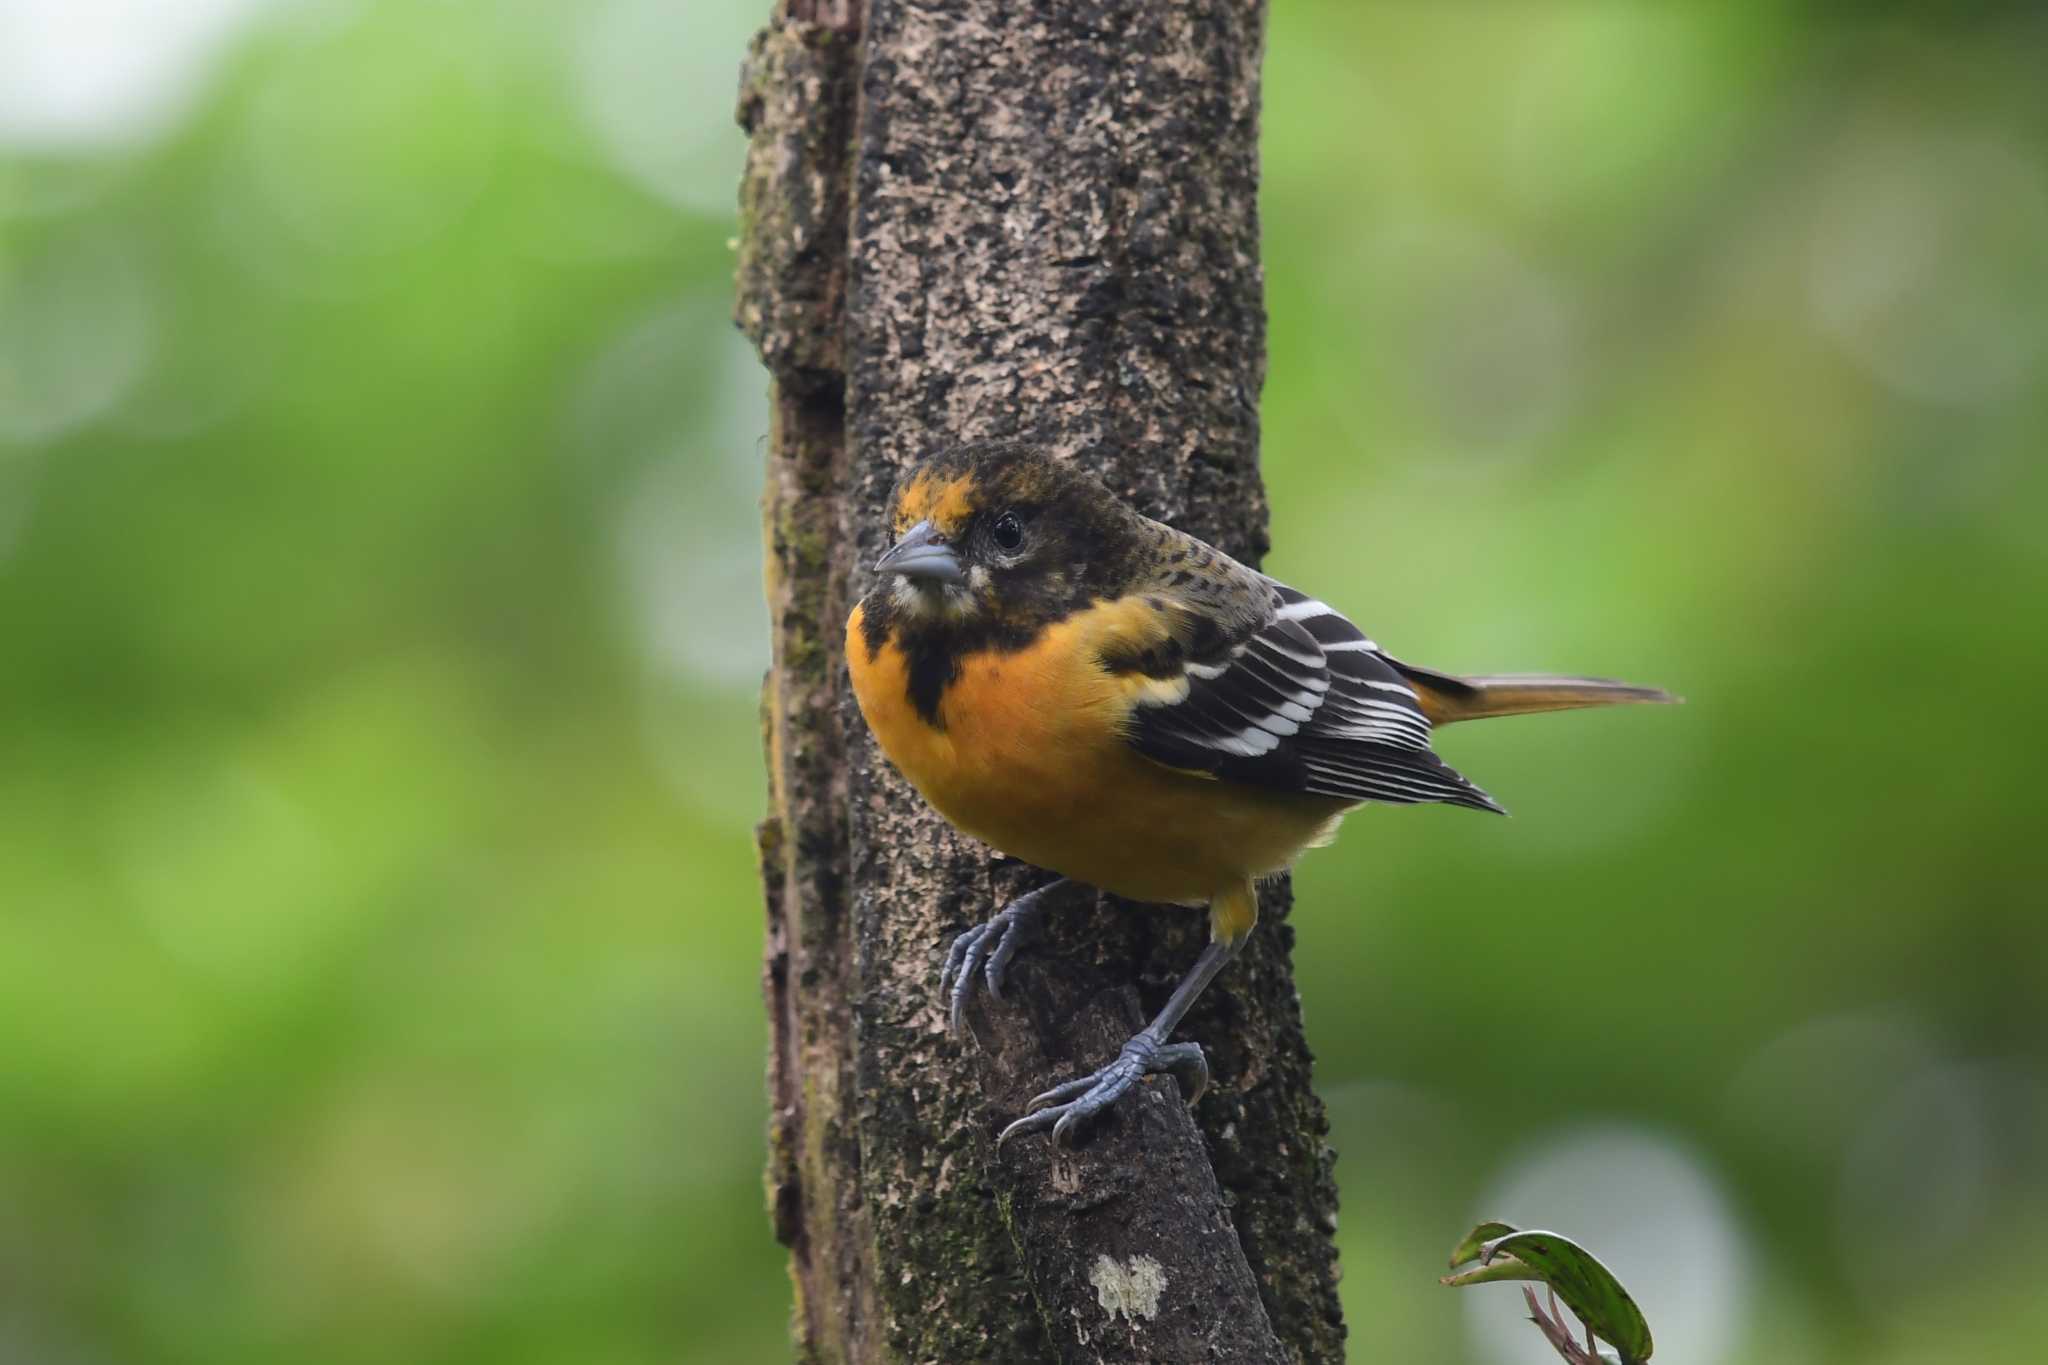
(1030, 757)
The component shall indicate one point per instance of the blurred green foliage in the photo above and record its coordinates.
(379, 935)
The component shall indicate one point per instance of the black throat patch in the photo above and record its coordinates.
(933, 650)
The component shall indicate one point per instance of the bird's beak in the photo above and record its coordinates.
(922, 553)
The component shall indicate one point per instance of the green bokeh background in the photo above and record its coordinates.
(380, 630)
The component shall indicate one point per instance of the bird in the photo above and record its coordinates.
(1110, 699)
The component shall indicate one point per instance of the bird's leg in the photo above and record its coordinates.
(1065, 1107)
(988, 948)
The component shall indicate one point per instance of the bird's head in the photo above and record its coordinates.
(1002, 533)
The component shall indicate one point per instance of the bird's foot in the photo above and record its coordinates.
(1065, 1107)
(986, 949)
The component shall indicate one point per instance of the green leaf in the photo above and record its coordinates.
(1506, 1268)
(1475, 1241)
(1587, 1287)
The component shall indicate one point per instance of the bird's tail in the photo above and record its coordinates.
(1446, 698)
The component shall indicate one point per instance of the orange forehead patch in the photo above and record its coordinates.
(947, 504)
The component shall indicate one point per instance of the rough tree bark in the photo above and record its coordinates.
(1003, 218)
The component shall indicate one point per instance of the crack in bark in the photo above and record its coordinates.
(795, 103)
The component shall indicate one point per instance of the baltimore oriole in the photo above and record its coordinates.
(1110, 699)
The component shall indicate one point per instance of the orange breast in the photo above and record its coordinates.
(1030, 756)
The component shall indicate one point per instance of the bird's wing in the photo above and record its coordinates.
(1266, 686)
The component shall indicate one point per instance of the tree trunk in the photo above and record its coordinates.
(1033, 219)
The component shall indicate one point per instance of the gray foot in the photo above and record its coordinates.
(986, 949)
(1065, 1107)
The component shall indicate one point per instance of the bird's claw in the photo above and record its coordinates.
(1068, 1106)
(986, 950)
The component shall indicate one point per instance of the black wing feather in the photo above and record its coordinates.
(1303, 702)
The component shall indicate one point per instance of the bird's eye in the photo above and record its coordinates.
(1008, 531)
